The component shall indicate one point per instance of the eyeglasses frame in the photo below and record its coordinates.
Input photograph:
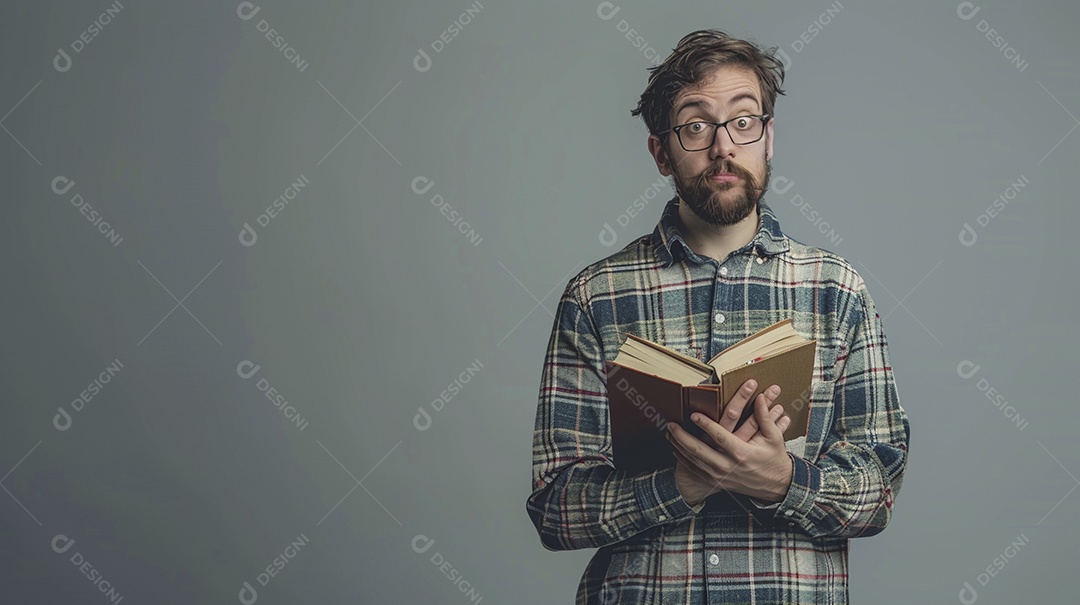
(765, 117)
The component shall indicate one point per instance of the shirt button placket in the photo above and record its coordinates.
(719, 299)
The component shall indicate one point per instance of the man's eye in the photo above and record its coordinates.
(743, 123)
(696, 127)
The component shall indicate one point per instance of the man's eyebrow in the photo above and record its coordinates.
(742, 96)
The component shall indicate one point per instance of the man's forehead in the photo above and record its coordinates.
(724, 86)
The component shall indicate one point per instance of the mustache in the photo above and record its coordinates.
(732, 169)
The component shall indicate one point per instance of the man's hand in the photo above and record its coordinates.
(750, 461)
(734, 410)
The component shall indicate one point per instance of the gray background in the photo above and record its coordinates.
(361, 302)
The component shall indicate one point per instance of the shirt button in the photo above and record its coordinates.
(662, 517)
(790, 524)
(760, 260)
(719, 317)
(788, 513)
(714, 559)
(723, 270)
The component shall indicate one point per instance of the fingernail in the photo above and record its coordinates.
(774, 390)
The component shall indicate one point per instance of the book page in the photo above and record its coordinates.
(657, 364)
(641, 344)
(778, 336)
(772, 351)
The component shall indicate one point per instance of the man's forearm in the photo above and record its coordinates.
(590, 505)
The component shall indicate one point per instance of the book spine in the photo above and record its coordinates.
(703, 400)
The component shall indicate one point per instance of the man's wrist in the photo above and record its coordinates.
(690, 499)
(786, 478)
(781, 486)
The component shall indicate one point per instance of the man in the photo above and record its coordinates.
(744, 517)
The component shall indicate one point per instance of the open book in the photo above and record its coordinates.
(650, 385)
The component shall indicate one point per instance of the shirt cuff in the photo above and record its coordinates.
(799, 500)
(659, 497)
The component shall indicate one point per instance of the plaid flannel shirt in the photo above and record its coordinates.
(731, 548)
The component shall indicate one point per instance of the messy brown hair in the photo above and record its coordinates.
(693, 61)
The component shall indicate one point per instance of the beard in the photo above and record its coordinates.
(704, 196)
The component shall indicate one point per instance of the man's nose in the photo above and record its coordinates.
(723, 146)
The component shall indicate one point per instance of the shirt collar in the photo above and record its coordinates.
(671, 246)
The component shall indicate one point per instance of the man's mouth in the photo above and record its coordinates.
(724, 177)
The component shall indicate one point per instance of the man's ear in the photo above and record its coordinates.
(769, 139)
(663, 162)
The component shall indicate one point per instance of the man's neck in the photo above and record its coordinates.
(717, 241)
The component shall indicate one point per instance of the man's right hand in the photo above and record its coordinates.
(735, 407)
(692, 484)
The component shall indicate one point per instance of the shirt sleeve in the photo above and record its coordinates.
(579, 499)
(850, 489)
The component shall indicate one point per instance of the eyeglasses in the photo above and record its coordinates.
(699, 135)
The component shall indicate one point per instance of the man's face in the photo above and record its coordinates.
(729, 92)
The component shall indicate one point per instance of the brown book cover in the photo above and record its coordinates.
(650, 385)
